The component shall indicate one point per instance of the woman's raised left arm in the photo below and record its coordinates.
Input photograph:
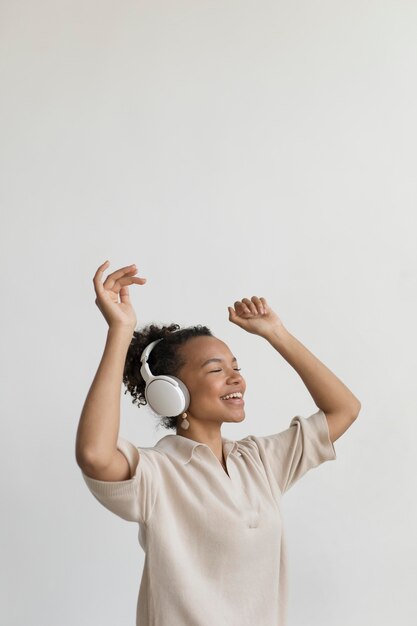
(330, 394)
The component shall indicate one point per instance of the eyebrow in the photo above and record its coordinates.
(216, 359)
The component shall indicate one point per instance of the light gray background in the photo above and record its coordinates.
(229, 149)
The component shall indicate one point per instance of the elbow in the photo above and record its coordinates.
(82, 459)
(357, 409)
(87, 460)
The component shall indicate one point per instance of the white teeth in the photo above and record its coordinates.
(237, 394)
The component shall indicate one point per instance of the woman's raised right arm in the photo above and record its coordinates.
(98, 428)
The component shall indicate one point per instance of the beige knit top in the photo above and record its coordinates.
(215, 552)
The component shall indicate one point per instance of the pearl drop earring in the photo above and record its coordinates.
(185, 423)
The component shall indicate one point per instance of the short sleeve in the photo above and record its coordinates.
(289, 454)
(130, 499)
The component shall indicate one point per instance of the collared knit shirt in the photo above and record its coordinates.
(214, 541)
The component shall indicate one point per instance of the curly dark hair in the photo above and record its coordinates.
(165, 358)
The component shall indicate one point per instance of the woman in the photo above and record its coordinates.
(208, 507)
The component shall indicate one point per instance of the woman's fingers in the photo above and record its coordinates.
(124, 295)
(117, 279)
(112, 278)
(120, 272)
(251, 306)
(264, 305)
(258, 304)
(122, 276)
(128, 280)
(254, 306)
(124, 281)
(241, 308)
(98, 285)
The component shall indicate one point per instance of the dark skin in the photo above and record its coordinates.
(207, 412)
(206, 385)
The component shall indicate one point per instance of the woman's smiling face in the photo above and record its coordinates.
(210, 373)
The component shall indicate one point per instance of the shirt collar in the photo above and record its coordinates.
(182, 448)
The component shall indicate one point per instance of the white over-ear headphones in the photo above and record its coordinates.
(166, 395)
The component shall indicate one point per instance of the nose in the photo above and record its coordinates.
(237, 376)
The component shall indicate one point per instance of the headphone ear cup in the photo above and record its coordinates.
(185, 392)
(167, 396)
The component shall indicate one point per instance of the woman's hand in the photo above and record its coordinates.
(255, 316)
(116, 313)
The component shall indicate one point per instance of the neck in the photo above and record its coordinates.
(208, 433)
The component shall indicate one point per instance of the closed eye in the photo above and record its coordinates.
(237, 369)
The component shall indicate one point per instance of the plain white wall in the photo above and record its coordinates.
(229, 149)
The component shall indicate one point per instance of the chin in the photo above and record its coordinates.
(238, 418)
